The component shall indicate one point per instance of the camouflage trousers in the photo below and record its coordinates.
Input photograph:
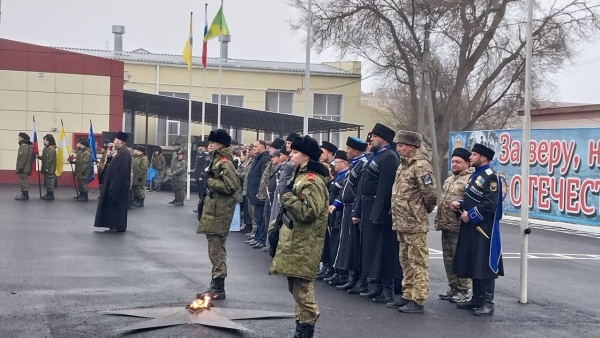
(49, 180)
(303, 290)
(82, 185)
(414, 257)
(23, 184)
(449, 241)
(217, 255)
(174, 185)
(179, 190)
(139, 191)
(251, 212)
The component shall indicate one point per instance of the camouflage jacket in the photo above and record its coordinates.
(264, 181)
(173, 161)
(48, 160)
(24, 158)
(414, 194)
(299, 249)
(159, 164)
(83, 163)
(139, 166)
(249, 163)
(179, 172)
(454, 189)
(219, 206)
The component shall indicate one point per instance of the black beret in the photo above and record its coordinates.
(308, 146)
(341, 155)
(356, 143)
(462, 153)
(483, 150)
(329, 147)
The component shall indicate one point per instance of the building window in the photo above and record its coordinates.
(328, 107)
(169, 131)
(278, 102)
(128, 122)
(229, 100)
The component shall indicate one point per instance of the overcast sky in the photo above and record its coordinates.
(259, 29)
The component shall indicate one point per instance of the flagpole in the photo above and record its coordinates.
(220, 61)
(71, 163)
(307, 70)
(37, 167)
(204, 76)
(189, 142)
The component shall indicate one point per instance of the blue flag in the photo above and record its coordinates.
(93, 147)
(495, 243)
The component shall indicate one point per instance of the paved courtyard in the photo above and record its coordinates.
(58, 273)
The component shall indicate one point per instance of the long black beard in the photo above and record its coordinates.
(375, 148)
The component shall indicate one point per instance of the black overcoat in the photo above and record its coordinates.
(114, 195)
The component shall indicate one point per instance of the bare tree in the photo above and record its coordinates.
(477, 50)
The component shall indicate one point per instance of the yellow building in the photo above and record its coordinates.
(262, 85)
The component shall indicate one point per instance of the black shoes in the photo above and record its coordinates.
(23, 197)
(49, 196)
(215, 291)
(487, 307)
(412, 307)
(304, 330)
(360, 287)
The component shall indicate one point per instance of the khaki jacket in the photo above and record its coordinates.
(454, 189)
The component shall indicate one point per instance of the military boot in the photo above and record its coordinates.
(78, 196)
(140, 203)
(387, 295)
(341, 279)
(327, 272)
(412, 307)
(350, 283)
(334, 276)
(23, 197)
(360, 287)
(476, 300)
(487, 307)
(173, 201)
(216, 289)
(398, 303)
(304, 330)
(49, 196)
(377, 290)
(83, 197)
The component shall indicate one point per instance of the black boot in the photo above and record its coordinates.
(487, 307)
(350, 283)
(78, 196)
(387, 295)
(173, 201)
(216, 289)
(83, 197)
(49, 196)
(327, 272)
(412, 307)
(360, 287)
(377, 290)
(398, 303)
(341, 279)
(140, 203)
(334, 276)
(201, 295)
(23, 197)
(304, 330)
(477, 299)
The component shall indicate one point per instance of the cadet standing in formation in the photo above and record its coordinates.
(83, 168)
(379, 246)
(179, 178)
(174, 160)
(48, 168)
(447, 221)
(479, 250)
(23, 169)
(140, 172)
(301, 236)
(219, 205)
(414, 196)
(159, 164)
(328, 151)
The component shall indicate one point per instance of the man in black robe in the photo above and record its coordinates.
(379, 245)
(479, 251)
(114, 196)
(348, 255)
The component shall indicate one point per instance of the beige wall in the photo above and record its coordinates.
(252, 85)
(49, 97)
(558, 122)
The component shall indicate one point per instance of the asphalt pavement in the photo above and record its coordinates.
(58, 273)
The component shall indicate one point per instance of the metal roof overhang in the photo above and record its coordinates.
(231, 117)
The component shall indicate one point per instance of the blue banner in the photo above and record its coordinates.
(92, 143)
(564, 181)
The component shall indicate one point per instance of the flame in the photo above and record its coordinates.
(200, 303)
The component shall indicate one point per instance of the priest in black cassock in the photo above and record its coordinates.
(379, 245)
(114, 195)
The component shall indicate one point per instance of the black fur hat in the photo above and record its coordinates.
(292, 137)
(277, 143)
(84, 143)
(483, 150)
(462, 153)
(308, 146)
(383, 132)
(220, 136)
(24, 136)
(122, 136)
(356, 143)
(341, 155)
(329, 147)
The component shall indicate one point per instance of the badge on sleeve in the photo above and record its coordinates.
(311, 176)
(223, 159)
(427, 180)
(493, 186)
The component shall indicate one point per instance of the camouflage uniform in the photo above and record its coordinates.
(413, 198)
(299, 248)
(174, 182)
(49, 167)
(83, 168)
(247, 201)
(219, 206)
(23, 168)
(140, 171)
(159, 164)
(179, 180)
(448, 222)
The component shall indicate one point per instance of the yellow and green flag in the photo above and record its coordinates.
(62, 151)
(189, 45)
(217, 27)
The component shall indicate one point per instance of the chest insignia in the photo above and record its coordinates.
(223, 159)
(310, 176)
(493, 186)
(479, 181)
